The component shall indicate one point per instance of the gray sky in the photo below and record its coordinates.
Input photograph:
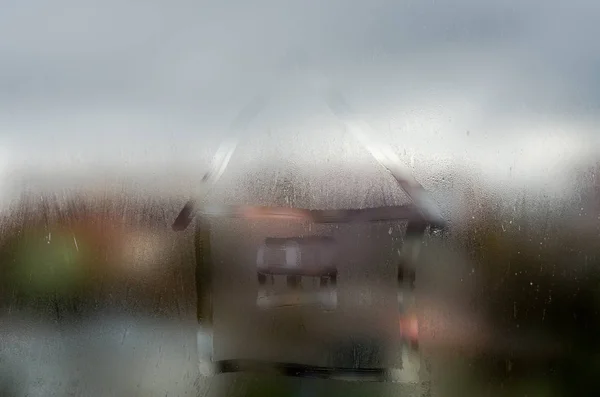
(509, 87)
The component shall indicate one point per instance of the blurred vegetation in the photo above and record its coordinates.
(537, 275)
(63, 256)
(538, 279)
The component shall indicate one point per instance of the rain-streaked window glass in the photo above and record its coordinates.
(353, 198)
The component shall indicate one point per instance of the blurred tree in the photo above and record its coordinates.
(538, 275)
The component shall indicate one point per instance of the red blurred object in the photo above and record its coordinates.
(409, 328)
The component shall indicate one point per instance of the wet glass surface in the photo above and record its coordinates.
(115, 115)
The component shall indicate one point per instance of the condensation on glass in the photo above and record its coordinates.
(305, 292)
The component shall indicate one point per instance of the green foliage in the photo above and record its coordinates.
(37, 264)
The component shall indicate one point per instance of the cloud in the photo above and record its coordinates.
(124, 80)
